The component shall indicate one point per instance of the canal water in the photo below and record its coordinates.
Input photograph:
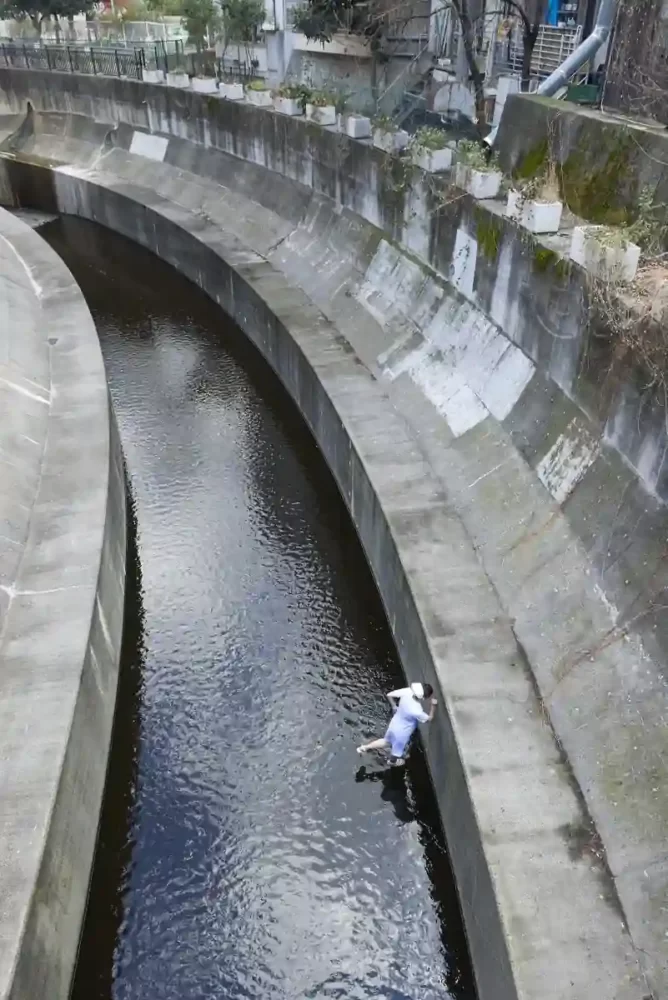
(242, 852)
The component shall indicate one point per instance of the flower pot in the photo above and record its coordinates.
(324, 114)
(231, 91)
(390, 142)
(153, 76)
(204, 84)
(261, 98)
(434, 160)
(590, 250)
(178, 80)
(541, 216)
(358, 127)
(287, 106)
(480, 184)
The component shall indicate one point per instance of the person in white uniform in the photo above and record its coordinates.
(408, 713)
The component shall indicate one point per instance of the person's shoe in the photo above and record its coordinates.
(397, 761)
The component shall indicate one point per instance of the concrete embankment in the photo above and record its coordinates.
(509, 498)
(62, 577)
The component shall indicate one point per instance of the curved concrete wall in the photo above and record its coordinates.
(501, 515)
(62, 574)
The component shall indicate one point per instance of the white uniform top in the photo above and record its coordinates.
(405, 720)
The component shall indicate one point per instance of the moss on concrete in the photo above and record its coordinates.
(533, 161)
(598, 182)
(543, 258)
(489, 231)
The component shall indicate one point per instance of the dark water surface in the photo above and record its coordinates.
(239, 855)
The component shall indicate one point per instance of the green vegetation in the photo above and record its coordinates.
(37, 11)
(489, 231)
(649, 228)
(476, 156)
(257, 85)
(385, 123)
(202, 20)
(322, 99)
(295, 92)
(533, 162)
(431, 139)
(543, 258)
(598, 182)
(241, 21)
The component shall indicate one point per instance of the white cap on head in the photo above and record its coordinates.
(417, 690)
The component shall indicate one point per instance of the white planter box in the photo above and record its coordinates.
(178, 80)
(390, 142)
(205, 84)
(323, 115)
(153, 76)
(609, 262)
(536, 216)
(480, 184)
(232, 91)
(287, 106)
(434, 160)
(358, 127)
(541, 216)
(261, 98)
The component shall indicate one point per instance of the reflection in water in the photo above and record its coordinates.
(240, 854)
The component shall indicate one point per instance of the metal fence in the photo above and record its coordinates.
(75, 59)
(98, 60)
(552, 47)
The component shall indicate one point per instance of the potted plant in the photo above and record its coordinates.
(258, 93)
(536, 203)
(231, 90)
(321, 108)
(388, 136)
(203, 84)
(430, 149)
(476, 173)
(178, 77)
(290, 99)
(605, 251)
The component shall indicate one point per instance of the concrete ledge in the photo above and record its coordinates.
(62, 574)
(605, 160)
(539, 910)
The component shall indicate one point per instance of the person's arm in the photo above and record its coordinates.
(432, 709)
(393, 696)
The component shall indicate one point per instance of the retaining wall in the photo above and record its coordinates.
(62, 575)
(508, 495)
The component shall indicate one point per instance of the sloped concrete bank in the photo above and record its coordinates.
(62, 577)
(502, 489)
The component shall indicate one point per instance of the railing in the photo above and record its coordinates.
(553, 45)
(96, 60)
(75, 59)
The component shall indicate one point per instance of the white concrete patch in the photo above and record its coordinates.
(153, 147)
(395, 287)
(564, 465)
(446, 389)
(462, 268)
(460, 360)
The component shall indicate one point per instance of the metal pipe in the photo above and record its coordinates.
(584, 51)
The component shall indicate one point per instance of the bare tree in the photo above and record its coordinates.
(532, 15)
